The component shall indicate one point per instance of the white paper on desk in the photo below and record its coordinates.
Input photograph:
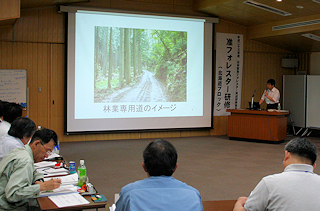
(71, 179)
(63, 189)
(53, 155)
(55, 171)
(55, 174)
(68, 200)
(45, 164)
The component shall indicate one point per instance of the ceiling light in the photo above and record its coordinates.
(267, 8)
(311, 36)
(317, 1)
(297, 24)
(279, 0)
(299, 7)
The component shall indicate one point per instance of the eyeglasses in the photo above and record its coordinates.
(48, 151)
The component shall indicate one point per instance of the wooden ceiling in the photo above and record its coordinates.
(259, 22)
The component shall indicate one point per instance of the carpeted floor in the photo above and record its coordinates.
(219, 168)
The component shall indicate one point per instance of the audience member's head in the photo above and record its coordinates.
(160, 158)
(2, 104)
(11, 111)
(43, 143)
(45, 136)
(22, 127)
(303, 150)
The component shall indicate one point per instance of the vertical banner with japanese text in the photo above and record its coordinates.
(228, 77)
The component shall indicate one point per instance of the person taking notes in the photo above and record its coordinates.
(20, 182)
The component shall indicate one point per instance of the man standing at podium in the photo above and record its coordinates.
(271, 95)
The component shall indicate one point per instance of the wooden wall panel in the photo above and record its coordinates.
(38, 25)
(43, 94)
(9, 12)
(51, 26)
(56, 81)
(142, 6)
(165, 134)
(32, 81)
(9, 9)
(184, 7)
(220, 125)
(304, 62)
(34, 58)
(250, 82)
(37, 43)
(7, 57)
(195, 133)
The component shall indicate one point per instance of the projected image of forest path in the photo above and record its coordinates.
(147, 89)
(139, 65)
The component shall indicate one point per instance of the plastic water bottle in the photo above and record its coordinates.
(279, 106)
(56, 149)
(82, 174)
(72, 167)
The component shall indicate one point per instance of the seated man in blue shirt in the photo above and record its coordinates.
(160, 191)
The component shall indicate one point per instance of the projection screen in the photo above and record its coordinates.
(133, 72)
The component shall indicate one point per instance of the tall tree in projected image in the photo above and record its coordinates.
(169, 55)
(139, 65)
(110, 60)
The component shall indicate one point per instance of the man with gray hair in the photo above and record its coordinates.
(20, 181)
(296, 188)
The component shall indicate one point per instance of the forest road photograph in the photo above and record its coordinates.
(147, 89)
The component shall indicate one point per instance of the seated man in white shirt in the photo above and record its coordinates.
(296, 188)
(271, 95)
(4, 125)
(19, 134)
(8, 113)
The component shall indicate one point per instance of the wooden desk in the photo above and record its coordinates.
(46, 204)
(260, 125)
(223, 205)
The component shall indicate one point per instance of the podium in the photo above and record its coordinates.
(259, 125)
